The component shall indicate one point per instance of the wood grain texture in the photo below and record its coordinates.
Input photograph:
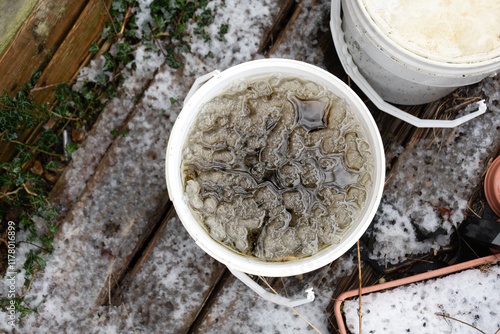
(74, 50)
(271, 37)
(37, 41)
(12, 17)
(155, 242)
(70, 39)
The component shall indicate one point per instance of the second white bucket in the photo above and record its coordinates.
(387, 71)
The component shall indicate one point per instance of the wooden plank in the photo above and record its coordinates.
(66, 63)
(272, 35)
(296, 11)
(113, 201)
(73, 52)
(120, 222)
(237, 309)
(32, 48)
(168, 293)
(12, 16)
(150, 244)
(63, 193)
(37, 41)
(347, 283)
(205, 307)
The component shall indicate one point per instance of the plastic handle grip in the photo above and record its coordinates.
(199, 82)
(352, 70)
(274, 298)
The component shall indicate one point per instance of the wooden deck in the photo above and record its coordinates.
(138, 280)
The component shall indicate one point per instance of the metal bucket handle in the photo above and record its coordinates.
(352, 70)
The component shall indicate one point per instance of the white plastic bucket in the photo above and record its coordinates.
(385, 70)
(219, 82)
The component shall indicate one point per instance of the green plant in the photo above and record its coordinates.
(19, 306)
(24, 194)
(124, 133)
(24, 180)
(222, 31)
(169, 21)
(24, 189)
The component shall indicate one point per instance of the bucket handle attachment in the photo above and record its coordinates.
(352, 70)
(274, 298)
(199, 82)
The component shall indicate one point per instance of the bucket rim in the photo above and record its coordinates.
(219, 83)
(407, 56)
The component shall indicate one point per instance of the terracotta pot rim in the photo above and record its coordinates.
(492, 186)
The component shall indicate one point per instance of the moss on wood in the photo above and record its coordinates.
(13, 13)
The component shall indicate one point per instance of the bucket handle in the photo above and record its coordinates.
(274, 298)
(352, 70)
(199, 82)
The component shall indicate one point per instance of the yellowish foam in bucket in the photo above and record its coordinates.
(383, 65)
(443, 30)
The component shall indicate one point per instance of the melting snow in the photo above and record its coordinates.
(470, 296)
(438, 177)
(90, 243)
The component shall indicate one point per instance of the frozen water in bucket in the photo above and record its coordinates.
(239, 263)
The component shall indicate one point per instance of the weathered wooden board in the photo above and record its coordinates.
(58, 46)
(74, 50)
(272, 35)
(168, 285)
(37, 41)
(12, 16)
(144, 243)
